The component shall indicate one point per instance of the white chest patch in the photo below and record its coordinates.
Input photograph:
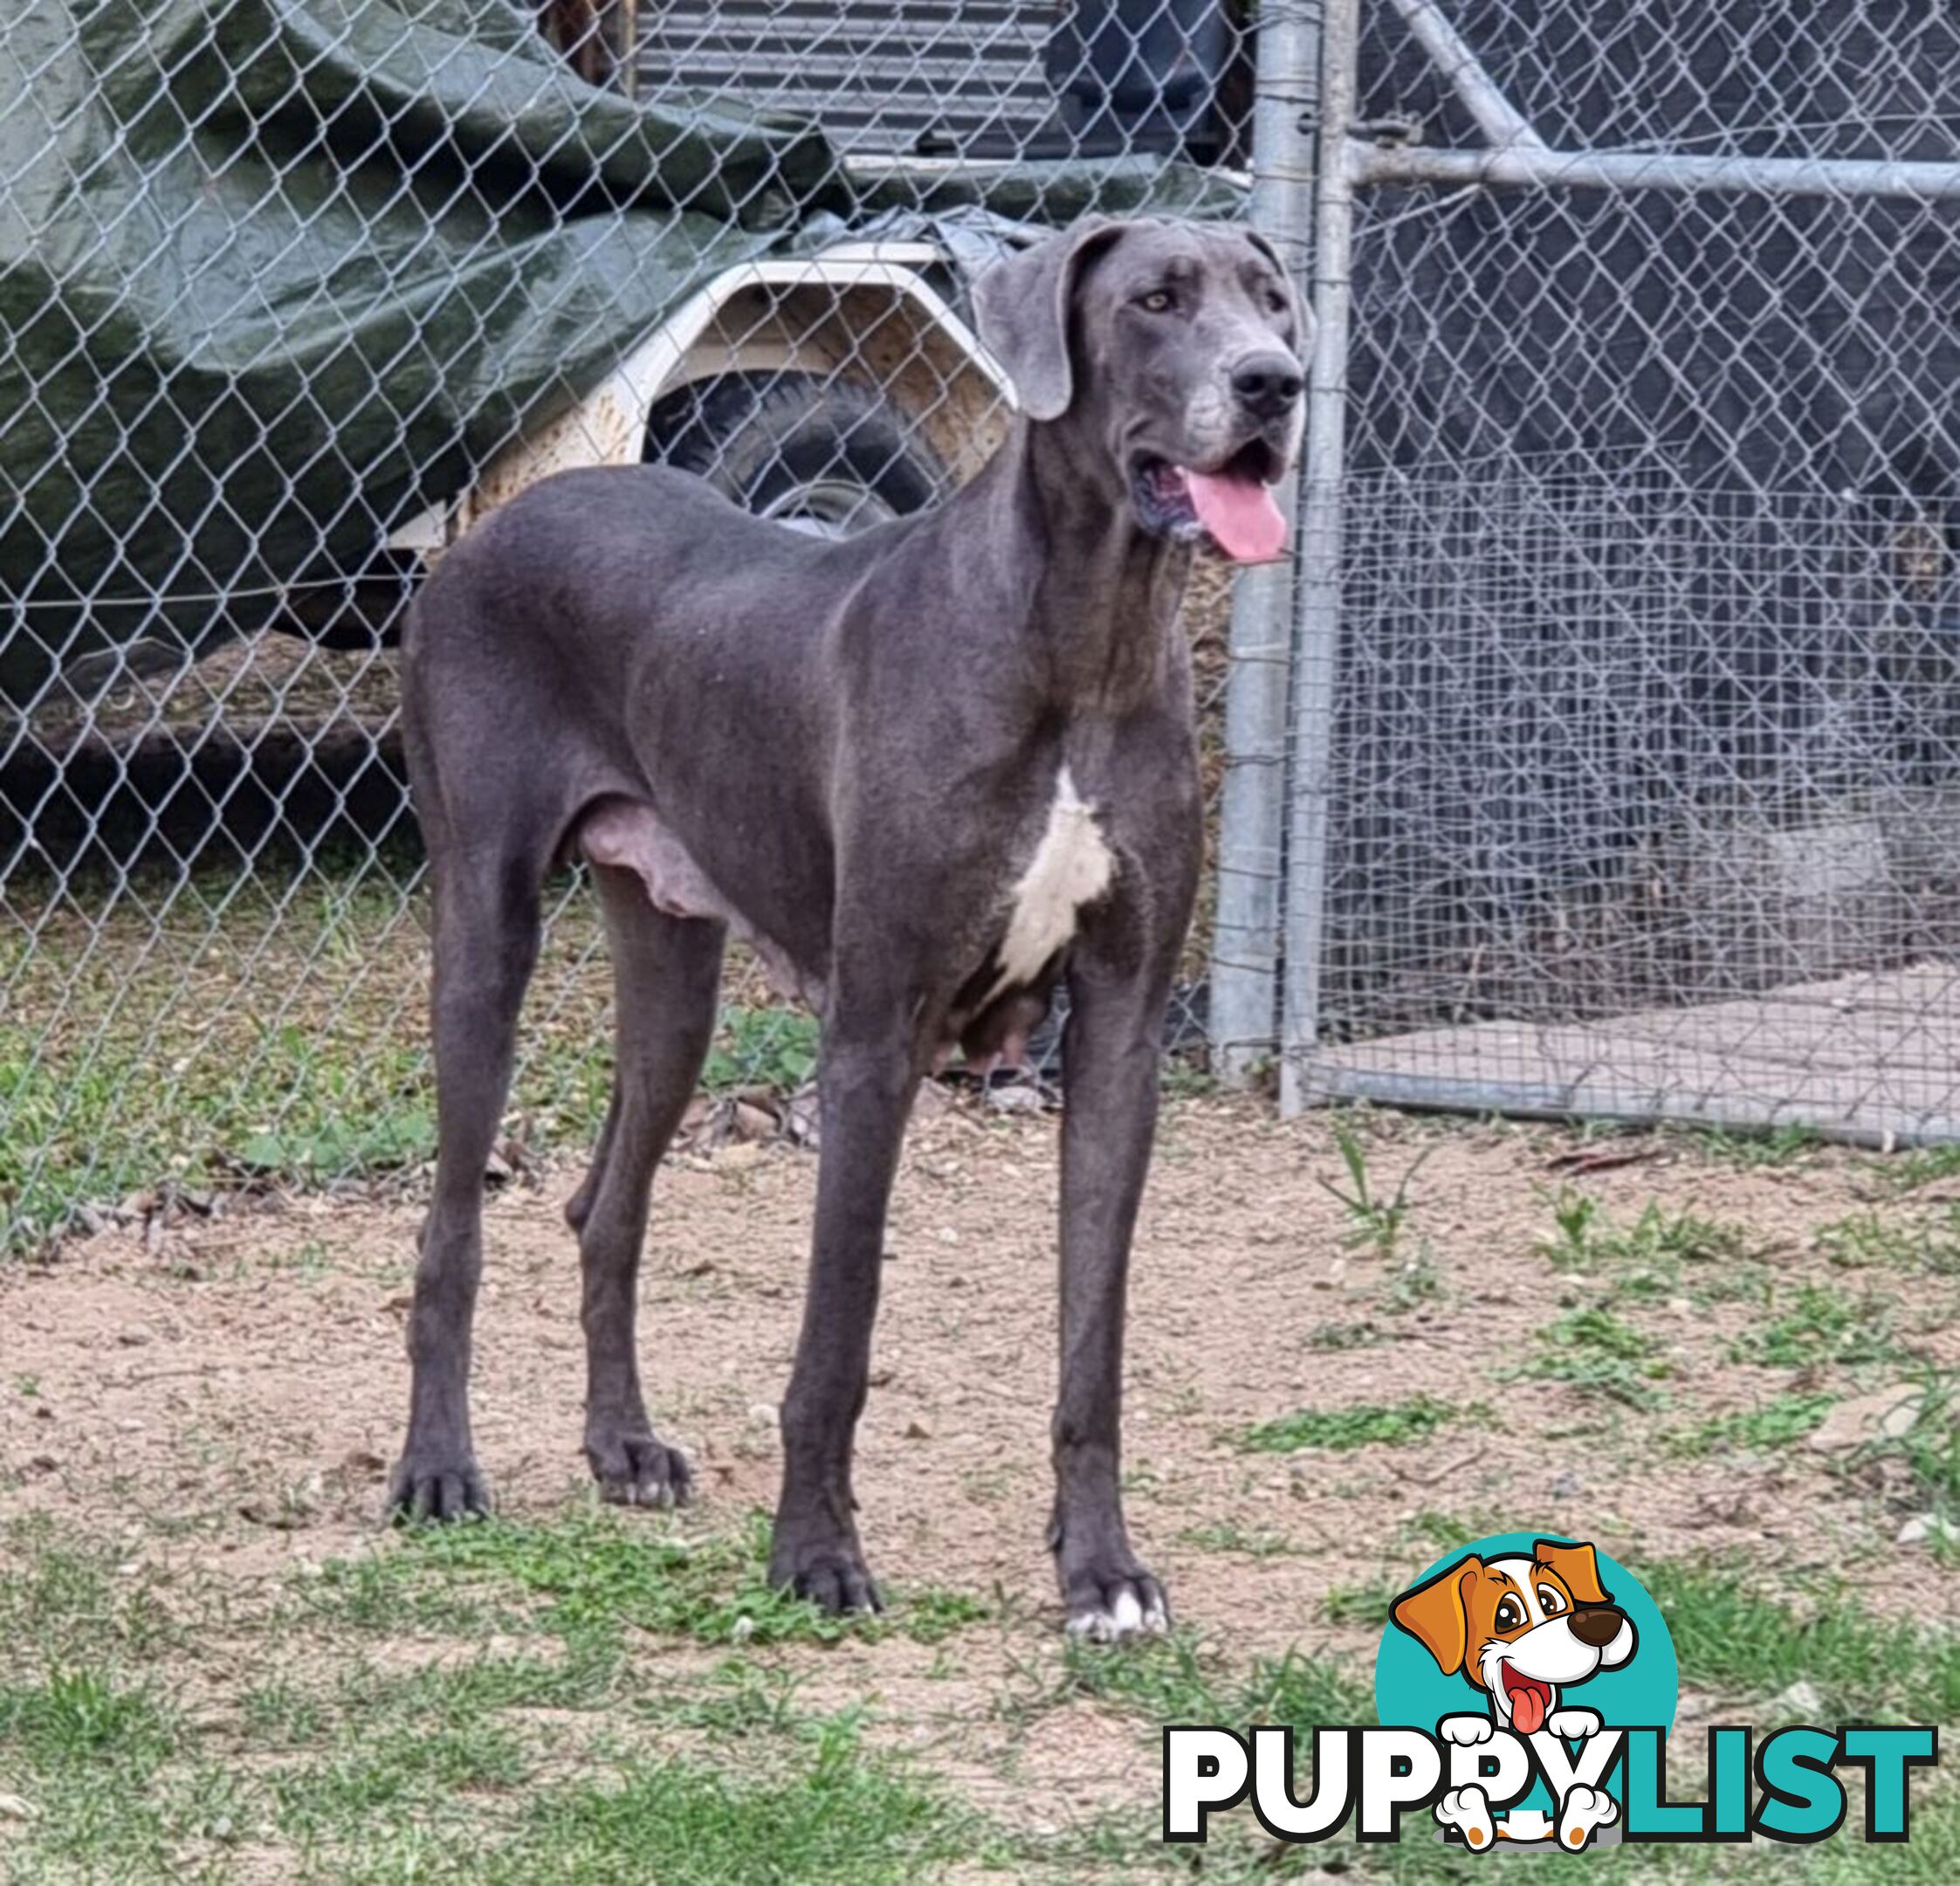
(1071, 866)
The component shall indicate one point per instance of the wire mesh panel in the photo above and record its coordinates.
(293, 293)
(1645, 744)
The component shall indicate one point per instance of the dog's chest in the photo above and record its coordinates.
(1071, 866)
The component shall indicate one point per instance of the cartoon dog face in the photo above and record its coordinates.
(1520, 1629)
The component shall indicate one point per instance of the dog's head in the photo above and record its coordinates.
(1172, 352)
(1520, 1628)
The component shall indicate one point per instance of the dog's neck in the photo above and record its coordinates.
(1102, 621)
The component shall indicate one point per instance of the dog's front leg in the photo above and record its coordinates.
(865, 1079)
(1110, 1069)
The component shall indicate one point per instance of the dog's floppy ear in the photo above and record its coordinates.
(1302, 315)
(1023, 306)
(1577, 1564)
(1434, 1614)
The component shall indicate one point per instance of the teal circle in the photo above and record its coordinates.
(1410, 1692)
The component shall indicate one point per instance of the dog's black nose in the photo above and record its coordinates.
(1267, 383)
(1597, 1626)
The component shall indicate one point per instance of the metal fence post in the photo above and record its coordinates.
(1243, 1011)
(1317, 596)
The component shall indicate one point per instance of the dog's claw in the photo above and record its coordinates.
(640, 1470)
(1119, 1608)
(829, 1570)
(838, 1585)
(438, 1494)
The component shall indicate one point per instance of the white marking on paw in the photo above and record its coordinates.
(1465, 1731)
(1467, 1810)
(1123, 1618)
(1573, 1724)
(1071, 866)
(1582, 1810)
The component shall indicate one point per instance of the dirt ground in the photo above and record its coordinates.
(221, 1399)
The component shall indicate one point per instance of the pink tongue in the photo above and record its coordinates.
(1239, 513)
(1528, 1710)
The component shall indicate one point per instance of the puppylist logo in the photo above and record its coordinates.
(1526, 1688)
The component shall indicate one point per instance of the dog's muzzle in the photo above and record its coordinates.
(1231, 503)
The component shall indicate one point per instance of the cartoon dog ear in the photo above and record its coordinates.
(1434, 1614)
(1578, 1565)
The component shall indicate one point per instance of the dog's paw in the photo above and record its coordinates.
(1131, 1605)
(1467, 1810)
(1465, 1731)
(831, 1574)
(1582, 1810)
(1573, 1724)
(638, 1469)
(438, 1484)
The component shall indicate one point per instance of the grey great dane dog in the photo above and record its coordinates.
(929, 772)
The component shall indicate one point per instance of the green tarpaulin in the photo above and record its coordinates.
(276, 274)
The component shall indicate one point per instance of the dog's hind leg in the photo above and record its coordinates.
(666, 971)
(486, 928)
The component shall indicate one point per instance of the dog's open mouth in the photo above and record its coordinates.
(1233, 504)
(1530, 1699)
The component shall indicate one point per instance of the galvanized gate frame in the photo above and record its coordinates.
(1286, 624)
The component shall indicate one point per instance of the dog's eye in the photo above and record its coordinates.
(1157, 301)
(1510, 1614)
(1275, 302)
(1553, 1601)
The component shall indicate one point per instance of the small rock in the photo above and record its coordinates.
(916, 1430)
(1017, 1098)
(739, 1157)
(134, 1337)
(883, 1377)
(750, 1122)
(1681, 1306)
(1928, 1526)
(763, 1414)
(1566, 1485)
(14, 1807)
(947, 1234)
(1881, 1416)
(1800, 1702)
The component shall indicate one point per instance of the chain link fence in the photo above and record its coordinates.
(291, 291)
(1640, 683)
(1596, 753)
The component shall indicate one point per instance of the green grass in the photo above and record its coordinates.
(1597, 1354)
(227, 1028)
(1366, 1424)
(1779, 1422)
(1928, 1451)
(1735, 1640)
(1238, 1541)
(590, 1570)
(1653, 1252)
(1375, 1219)
(1819, 1325)
(1901, 1172)
(1923, 1247)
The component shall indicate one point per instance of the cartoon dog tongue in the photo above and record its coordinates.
(1239, 513)
(1528, 1701)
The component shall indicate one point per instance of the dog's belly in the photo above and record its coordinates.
(627, 836)
(997, 1009)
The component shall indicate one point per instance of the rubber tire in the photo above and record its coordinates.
(757, 438)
